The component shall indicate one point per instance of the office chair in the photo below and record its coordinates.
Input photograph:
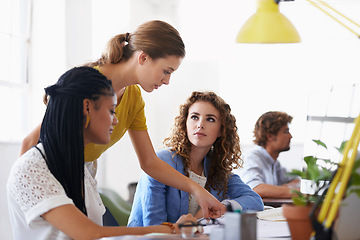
(117, 209)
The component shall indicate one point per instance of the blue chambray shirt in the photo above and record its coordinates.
(155, 202)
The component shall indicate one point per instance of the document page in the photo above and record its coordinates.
(273, 214)
(272, 229)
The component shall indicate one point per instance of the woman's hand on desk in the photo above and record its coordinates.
(199, 214)
(211, 207)
(184, 218)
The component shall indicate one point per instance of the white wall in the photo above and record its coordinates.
(9, 152)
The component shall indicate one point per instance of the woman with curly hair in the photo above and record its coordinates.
(204, 146)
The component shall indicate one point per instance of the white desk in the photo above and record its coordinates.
(269, 230)
(266, 230)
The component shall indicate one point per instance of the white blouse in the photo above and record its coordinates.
(201, 180)
(32, 190)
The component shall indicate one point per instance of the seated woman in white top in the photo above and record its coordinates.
(51, 195)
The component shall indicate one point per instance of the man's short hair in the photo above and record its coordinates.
(270, 122)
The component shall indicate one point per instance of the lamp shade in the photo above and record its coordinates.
(268, 25)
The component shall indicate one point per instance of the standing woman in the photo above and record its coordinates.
(204, 146)
(147, 58)
(51, 195)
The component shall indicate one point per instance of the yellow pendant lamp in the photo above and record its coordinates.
(268, 25)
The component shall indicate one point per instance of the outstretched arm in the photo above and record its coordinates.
(70, 220)
(295, 183)
(273, 191)
(243, 194)
(166, 174)
(30, 140)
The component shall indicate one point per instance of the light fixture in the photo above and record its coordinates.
(268, 25)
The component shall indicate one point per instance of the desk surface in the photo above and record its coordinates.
(266, 230)
(271, 230)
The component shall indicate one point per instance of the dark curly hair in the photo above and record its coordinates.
(270, 122)
(225, 154)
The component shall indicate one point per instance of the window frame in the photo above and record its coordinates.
(15, 80)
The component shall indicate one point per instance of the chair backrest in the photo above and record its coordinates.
(118, 207)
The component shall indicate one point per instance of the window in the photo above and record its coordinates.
(331, 119)
(15, 22)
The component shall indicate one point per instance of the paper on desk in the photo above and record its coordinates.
(209, 227)
(272, 229)
(273, 214)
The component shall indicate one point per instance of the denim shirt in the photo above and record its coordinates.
(155, 202)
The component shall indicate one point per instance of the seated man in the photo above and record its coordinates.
(262, 171)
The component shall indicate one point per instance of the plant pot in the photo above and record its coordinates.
(298, 220)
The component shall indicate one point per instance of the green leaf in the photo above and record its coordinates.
(296, 172)
(298, 193)
(310, 160)
(356, 165)
(313, 171)
(353, 181)
(342, 147)
(325, 174)
(311, 165)
(320, 143)
(355, 178)
(299, 201)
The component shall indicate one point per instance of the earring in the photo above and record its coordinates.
(87, 121)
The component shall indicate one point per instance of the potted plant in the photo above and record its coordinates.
(318, 172)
